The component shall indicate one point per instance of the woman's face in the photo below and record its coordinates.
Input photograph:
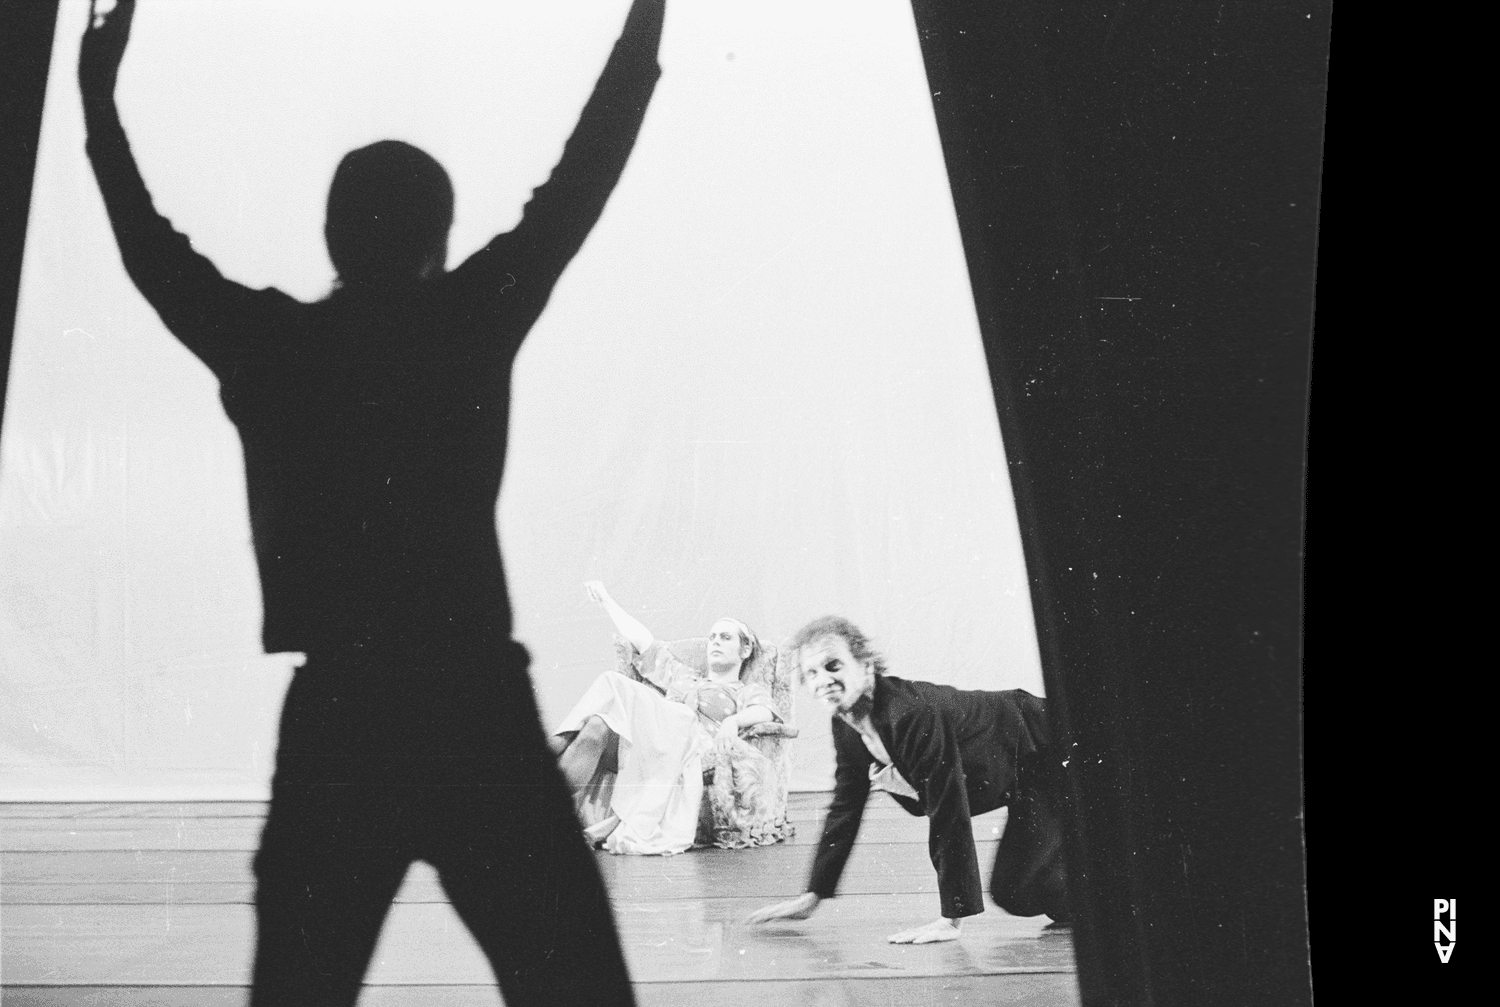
(725, 647)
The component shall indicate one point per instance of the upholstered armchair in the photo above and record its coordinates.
(744, 780)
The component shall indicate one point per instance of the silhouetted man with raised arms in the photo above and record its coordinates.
(374, 429)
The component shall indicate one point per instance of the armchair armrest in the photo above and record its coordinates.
(770, 729)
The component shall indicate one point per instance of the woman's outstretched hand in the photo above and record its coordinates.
(941, 929)
(799, 908)
(104, 46)
(626, 624)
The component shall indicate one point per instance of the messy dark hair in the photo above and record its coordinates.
(836, 625)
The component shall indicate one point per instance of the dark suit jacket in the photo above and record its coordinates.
(960, 750)
(374, 423)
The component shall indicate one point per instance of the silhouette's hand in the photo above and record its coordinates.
(941, 929)
(799, 908)
(104, 46)
(729, 727)
(596, 591)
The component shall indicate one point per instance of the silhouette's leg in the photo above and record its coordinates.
(321, 897)
(531, 894)
(1030, 876)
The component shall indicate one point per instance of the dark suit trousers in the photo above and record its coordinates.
(377, 767)
(1030, 877)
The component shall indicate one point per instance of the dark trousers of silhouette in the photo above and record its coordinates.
(377, 768)
(1030, 876)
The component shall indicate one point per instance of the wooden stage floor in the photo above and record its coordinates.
(135, 904)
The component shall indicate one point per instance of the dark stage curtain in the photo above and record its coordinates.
(26, 30)
(1137, 188)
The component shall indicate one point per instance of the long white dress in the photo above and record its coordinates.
(659, 785)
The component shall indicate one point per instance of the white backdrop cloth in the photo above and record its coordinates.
(758, 391)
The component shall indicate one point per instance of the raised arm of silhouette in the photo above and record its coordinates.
(526, 262)
(209, 314)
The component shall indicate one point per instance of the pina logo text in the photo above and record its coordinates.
(1445, 930)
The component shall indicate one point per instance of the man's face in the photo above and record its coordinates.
(834, 675)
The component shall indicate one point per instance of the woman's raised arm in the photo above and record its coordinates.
(628, 626)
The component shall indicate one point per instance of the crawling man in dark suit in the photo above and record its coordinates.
(941, 752)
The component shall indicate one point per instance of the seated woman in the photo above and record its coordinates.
(634, 755)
